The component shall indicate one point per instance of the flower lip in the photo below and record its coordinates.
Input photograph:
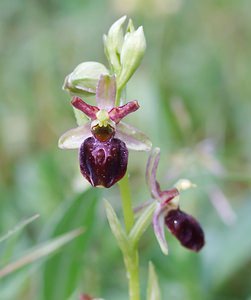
(103, 163)
(186, 229)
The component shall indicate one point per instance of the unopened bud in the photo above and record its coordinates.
(131, 54)
(113, 42)
(83, 80)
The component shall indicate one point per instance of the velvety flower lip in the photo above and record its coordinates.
(103, 163)
(186, 229)
(183, 226)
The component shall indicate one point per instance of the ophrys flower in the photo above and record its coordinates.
(103, 142)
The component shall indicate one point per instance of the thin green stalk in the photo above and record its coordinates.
(131, 258)
(132, 268)
(126, 203)
(118, 95)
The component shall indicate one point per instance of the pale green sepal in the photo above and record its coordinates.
(81, 118)
(84, 78)
(113, 42)
(73, 138)
(133, 138)
(131, 55)
(153, 290)
(116, 228)
(142, 223)
(40, 251)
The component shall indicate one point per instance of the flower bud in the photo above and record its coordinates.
(103, 163)
(83, 80)
(186, 229)
(113, 42)
(131, 54)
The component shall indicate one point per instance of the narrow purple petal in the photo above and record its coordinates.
(106, 92)
(159, 228)
(73, 138)
(151, 170)
(118, 113)
(168, 195)
(186, 229)
(132, 137)
(87, 109)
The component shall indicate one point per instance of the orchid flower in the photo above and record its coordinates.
(103, 142)
(183, 226)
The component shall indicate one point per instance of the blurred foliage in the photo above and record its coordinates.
(194, 91)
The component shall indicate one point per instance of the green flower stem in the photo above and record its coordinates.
(118, 96)
(132, 268)
(126, 202)
(131, 258)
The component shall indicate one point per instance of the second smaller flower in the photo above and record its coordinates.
(183, 226)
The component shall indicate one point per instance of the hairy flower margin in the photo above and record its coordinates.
(104, 140)
(167, 213)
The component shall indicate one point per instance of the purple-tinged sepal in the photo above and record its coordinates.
(186, 229)
(159, 216)
(103, 163)
(106, 92)
(159, 228)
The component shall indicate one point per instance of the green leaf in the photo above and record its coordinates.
(153, 291)
(61, 273)
(40, 251)
(116, 228)
(18, 227)
(142, 223)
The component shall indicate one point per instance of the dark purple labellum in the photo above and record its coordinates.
(186, 229)
(103, 163)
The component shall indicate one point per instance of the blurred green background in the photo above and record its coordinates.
(194, 90)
